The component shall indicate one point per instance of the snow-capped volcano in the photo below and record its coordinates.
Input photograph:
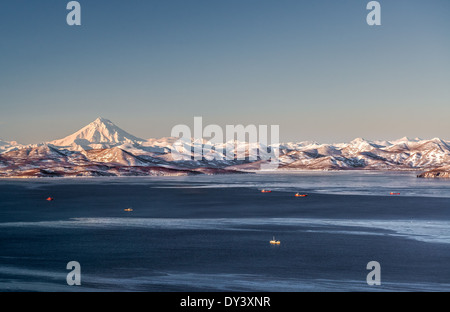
(101, 133)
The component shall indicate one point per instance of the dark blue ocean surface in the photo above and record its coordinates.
(212, 233)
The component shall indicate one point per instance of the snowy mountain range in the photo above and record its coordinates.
(103, 149)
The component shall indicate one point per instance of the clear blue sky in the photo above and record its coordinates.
(313, 67)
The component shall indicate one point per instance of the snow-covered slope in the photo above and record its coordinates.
(6, 146)
(115, 156)
(99, 134)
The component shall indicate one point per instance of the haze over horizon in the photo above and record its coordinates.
(111, 126)
(315, 69)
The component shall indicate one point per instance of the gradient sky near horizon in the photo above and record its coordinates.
(313, 67)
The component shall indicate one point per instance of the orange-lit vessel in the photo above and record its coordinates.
(275, 242)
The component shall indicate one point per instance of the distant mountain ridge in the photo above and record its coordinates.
(6, 146)
(102, 148)
(403, 154)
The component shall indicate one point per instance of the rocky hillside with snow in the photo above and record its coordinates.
(48, 161)
(403, 154)
(442, 173)
(103, 149)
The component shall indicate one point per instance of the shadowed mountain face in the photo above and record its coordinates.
(102, 148)
(442, 172)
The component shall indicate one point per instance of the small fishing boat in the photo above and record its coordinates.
(275, 242)
(50, 199)
(128, 209)
(392, 193)
(266, 191)
(300, 195)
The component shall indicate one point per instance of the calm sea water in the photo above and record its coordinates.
(211, 233)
